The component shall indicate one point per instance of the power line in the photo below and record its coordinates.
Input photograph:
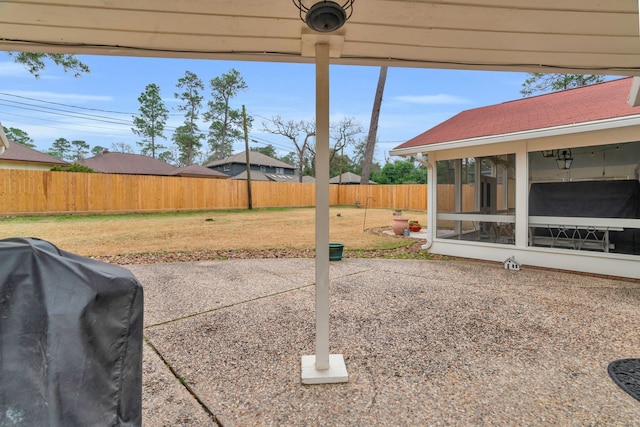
(114, 121)
(261, 140)
(60, 128)
(72, 114)
(65, 105)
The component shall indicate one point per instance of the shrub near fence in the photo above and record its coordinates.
(32, 192)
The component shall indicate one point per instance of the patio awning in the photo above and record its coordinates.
(582, 36)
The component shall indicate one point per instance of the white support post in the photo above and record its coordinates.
(458, 194)
(477, 183)
(505, 187)
(323, 367)
(432, 200)
(522, 195)
(322, 206)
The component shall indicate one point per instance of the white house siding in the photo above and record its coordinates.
(8, 164)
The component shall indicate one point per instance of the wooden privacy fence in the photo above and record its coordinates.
(31, 192)
(28, 192)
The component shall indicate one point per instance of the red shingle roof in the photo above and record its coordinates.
(21, 153)
(600, 101)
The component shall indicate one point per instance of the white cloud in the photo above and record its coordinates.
(58, 97)
(12, 69)
(440, 99)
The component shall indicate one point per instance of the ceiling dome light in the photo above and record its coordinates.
(324, 16)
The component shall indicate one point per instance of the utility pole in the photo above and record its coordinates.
(373, 128)
(246, 152)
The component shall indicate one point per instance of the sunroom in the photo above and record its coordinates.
(556, 186)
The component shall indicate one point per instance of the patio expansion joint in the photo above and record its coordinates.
(184, 384)
(373, 400)
(211, 310)
(355, 273)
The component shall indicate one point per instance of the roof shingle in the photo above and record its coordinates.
(21, 153)
(127, 163)
(255, 158)
(585, 104)
(198, 171)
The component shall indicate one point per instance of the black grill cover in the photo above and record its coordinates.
(70, 339)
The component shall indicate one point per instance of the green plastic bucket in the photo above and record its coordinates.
(335, 251)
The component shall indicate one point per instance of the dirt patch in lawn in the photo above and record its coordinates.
(262, 233)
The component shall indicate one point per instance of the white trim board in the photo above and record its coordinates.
(601, 263)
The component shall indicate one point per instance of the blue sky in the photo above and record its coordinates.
(414, 99)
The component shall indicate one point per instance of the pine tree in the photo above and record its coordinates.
(149, 125)
(79, 152)
(226, 123)
(61, 149)
(18, 135)
(35, 62)
(188, 137)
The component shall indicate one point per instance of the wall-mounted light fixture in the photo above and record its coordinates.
(324, 16)
(564, 159)
(548, 153)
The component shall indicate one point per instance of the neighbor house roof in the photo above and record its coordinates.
(255, 158)
(198, 171)
(347, 178)
(21, 153)
(586, 104)
(261, 176)
(255, 176)
(126, 163)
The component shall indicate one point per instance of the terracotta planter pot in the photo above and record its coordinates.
(399, 224)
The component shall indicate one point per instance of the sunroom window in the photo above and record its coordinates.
(476, 199)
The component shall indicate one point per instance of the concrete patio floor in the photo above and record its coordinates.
(425, 343)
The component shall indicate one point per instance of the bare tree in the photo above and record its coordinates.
(343, 135)
(373, 128)
(121, 147)
(301, 133)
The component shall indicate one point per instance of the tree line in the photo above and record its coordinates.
(225, 125)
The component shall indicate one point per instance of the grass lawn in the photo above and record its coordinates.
(260, 229)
